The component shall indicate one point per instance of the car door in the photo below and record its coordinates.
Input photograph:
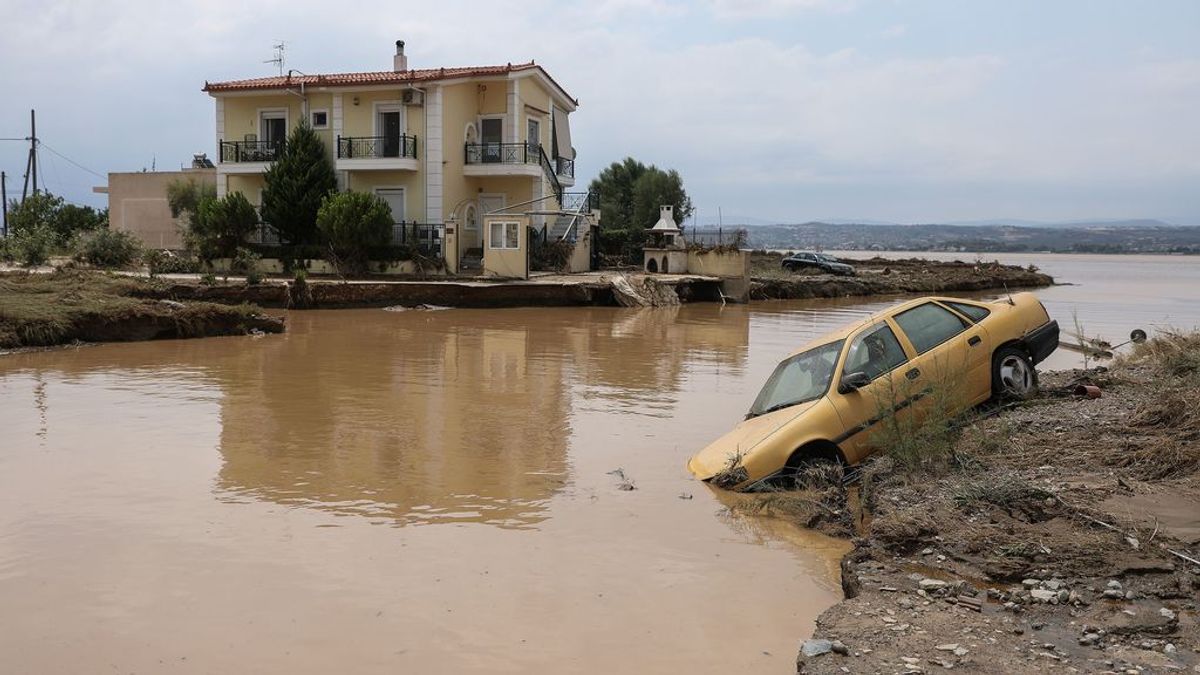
(979, 345)
(877, 352)
(938, 378)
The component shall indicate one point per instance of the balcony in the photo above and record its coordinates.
(248, 156)
(513, 159)
(377, 152)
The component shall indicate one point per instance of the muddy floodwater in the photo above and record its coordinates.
(431, 491)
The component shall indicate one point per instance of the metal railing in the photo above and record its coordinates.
(250, 151)
(429, 238)
(564, 167)
(502, 153)
(371, 147)
(718, 236)
(580, 201)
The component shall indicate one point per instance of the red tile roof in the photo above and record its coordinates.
(375, 78)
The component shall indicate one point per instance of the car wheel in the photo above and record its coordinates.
(1013, 375)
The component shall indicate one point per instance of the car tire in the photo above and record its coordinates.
(1013, 375)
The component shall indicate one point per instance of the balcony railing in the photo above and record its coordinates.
(502, 153)
(250, 151)
(373, 147)
(564, 166)
(580, 201)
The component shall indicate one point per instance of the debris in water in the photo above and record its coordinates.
(626, 484)
(421, 308)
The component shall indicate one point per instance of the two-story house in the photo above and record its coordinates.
(438, 144)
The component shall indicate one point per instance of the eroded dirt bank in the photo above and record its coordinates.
(1058, 536)
(38, 310)
(882, 276)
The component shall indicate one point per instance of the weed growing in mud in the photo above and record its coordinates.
(1005, 490)
(923, 430)
(1174, 353)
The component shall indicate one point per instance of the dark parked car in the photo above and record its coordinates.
(819, 261)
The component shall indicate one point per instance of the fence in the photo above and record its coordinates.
(719, 236)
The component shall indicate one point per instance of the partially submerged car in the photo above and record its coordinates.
(819, 261)
(826, 400)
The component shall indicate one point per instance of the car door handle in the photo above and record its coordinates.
(913, 374)
(974, 340)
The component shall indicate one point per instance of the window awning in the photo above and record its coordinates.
(562, 135)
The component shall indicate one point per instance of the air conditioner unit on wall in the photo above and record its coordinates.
(412, 97)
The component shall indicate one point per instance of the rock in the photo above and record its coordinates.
(931, 584)
(1043, 595)
(1053, 584)
(1089, 639)
(1169, 648)
(816, 647)
(961, 652)
(927, 551)
(1114, 584)
(1031, 583)
(1167, 614)
(947, 647)
(1114, 594)
(1063, 596)
(840, 647)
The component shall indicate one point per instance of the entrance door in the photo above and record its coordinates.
(491, 132)
(395, 199)
(273, 128)
(389, 127)
(533, 136)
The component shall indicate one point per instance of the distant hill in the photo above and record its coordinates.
(1076, 224)
(1145, 236)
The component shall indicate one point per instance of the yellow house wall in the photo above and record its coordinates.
(323, 102)
(459, 104)
(533, 94)
(250, 185)
(359, 120)
(493, 100)
(413, 183)
(241, 113)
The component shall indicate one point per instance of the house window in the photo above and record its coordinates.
(505, 235)
(320, 119)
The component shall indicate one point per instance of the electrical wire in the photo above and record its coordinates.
(77, 164)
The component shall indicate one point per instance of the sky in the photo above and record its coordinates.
(773, 111)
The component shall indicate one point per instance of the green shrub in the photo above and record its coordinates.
(220, 226)
(295, 186)
(107, 248)
(246, 262)
(166, 262)
(32, 246)
(354, 223)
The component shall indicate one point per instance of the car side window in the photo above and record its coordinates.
(874, 352)
(929, 325)
(972, 312)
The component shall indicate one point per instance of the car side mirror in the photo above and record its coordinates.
(854, 382)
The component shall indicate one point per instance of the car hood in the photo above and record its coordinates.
(742, 439)
(840, 265)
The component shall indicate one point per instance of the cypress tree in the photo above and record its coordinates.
(295, 184)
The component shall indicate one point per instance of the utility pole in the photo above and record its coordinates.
(4, 200)
(33, 147)
(31, 161)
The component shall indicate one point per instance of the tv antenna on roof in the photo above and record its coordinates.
(278, 60)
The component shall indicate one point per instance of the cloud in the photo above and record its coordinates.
(894, 30)
(742, 9)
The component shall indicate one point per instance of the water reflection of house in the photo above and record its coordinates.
(462, 415)
(432, 423)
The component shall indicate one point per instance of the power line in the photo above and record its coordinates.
(77, 164)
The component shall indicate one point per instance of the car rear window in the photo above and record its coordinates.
(972, 312)
(929, 325)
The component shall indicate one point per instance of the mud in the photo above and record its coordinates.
(68, 307)
(1043, 544)
(883, 276)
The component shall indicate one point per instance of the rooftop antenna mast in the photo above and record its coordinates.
(279, 47)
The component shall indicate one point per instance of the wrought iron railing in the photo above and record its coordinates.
(502, 153)
(371, 147)
(564, 167)
(580, 201)
(427, 237)
(250, 151)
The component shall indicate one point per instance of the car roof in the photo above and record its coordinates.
(845, 331)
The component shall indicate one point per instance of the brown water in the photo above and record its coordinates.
(430, 491)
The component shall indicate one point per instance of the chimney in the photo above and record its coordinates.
(399, 61)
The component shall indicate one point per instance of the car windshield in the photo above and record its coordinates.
(827, 258)
(801, 378)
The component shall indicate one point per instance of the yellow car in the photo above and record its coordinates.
(824, 401)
